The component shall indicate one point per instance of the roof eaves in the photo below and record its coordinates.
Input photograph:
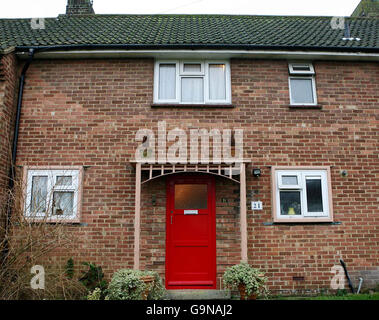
(198, 47)
(7, 50)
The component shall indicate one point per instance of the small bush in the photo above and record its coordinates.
(93, 279)
(94, 295)
(244, 274)
(157, 291)
(70, 268)
(25, 243)
(126, 284)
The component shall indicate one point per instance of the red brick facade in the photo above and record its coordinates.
(8, 94)
(86, 113)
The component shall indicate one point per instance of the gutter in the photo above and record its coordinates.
(11, 175)
(199, 47)
(203, 54)
(200, 51)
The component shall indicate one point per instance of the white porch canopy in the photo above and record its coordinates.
(233, 171)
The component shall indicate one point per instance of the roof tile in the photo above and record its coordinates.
(183, 30)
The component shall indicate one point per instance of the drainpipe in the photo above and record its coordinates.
(347, 276)
(360, 285)
(11, 175)
(18, 114)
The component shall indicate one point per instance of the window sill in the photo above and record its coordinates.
(303, 220)
(54, 221)
(301, 223)
(202, 106)
(305, 106)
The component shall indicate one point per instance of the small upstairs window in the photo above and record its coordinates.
(192, 82)
(302, 84)
(301, 68)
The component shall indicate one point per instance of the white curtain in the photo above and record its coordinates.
(192, 89)
(217, 82)
(302, 91)
(39, 194)
(167, 81)
(63, 203)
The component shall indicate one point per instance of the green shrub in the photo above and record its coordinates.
(341, 292)
(70, 268)
(157, 291)
(94, 278)
(95, 295)
(126, 284)
(244, 274)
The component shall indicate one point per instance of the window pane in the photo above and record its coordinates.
(217, 82)
(167, 81)
(301, 67)
(64, 181)
(314, 195)
(290, 203)
(302, 91)
(192, 67)
(289, 180)
(39, 194)
(191, 196)
(192, 90)
(63, 203)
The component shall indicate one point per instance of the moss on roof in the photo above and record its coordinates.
(237, 31)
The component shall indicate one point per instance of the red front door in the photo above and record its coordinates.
(191, 232)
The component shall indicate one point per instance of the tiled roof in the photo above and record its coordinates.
(183, 31)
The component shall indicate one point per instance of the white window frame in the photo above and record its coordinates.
(291, 66)
(156, 82)
(303, 175)
(305, 75)
(181, 74)
(287, 186)
(184, 73)
(52, 175)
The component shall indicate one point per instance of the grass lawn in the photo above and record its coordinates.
(374, 296)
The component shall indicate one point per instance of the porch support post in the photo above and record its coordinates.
(137, 217)
(243, 219)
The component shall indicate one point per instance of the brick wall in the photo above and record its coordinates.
(87, 113)
(342, 135)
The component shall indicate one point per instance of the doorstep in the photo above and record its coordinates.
(190, 294)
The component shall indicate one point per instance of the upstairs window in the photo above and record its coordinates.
(52, 194)
(192, 82)
(302, 195)
(302, 84)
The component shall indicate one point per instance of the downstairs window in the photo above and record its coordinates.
(52, 194)
(302, 195)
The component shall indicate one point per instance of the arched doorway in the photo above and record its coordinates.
(148, 173)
